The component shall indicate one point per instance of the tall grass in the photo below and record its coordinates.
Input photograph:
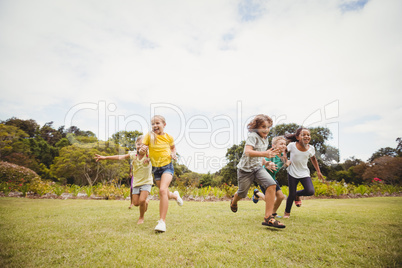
(89, 233)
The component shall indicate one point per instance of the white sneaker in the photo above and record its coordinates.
(161, 226)
(179, 200)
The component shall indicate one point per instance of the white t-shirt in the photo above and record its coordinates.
(298, 168)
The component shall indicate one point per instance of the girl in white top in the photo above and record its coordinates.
(142, 180)
(300, 152)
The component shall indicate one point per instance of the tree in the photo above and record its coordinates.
(350, 162)
(76, 164)
(11, 140)
(233, 155)
(49, 134)
(387, 151)
(399, 146)
(126, 138)
(30, 126)
(387, 168)
(357, 172)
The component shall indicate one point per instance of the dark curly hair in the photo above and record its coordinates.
(257, 121)
(292, 136)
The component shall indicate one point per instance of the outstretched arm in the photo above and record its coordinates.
(111, 157)
(317, 167)
(249, 151)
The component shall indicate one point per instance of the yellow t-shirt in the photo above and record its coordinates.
(159, 151)
(142, 172)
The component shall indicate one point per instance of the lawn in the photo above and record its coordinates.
(364, 232)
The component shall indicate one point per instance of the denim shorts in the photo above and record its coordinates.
(138, 189)
(158, 171)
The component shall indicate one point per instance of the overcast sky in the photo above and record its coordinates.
(208, 67)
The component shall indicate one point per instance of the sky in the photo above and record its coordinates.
(208, 67)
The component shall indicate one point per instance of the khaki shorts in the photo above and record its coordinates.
(246, 179)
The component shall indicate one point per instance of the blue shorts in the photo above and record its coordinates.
(138, 189)
(278, 188)
(158, 171)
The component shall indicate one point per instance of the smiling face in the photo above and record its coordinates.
(138, 144)
(280, 144)
(158, 125)
(304, 137)
(263, 129)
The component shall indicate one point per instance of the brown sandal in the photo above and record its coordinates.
(270, 221)
(233, 208)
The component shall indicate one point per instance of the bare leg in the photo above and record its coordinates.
(236, 198)
(132, 202)
(164, 194)
(269, 200)
(261, 195)
(143, 203)
(279, 198)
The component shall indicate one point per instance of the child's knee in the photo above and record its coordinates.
(163, 191)
(281, 196)
(310, 192)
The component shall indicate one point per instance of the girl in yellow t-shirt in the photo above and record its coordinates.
(142, 181)
(162, 151)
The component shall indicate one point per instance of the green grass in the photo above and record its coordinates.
(90, 233)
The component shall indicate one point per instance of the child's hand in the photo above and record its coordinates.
(320, 176)
(147, 161)
(173, 156)
(99, 157)
(271, 166)
(288, 162)
(272, 152)
(143, 149)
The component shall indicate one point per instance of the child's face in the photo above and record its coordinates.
(281, 145)
(138, 144)
(263, 129)
(157, 126)
(304, 136)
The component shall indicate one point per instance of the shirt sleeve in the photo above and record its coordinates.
(171, 140)
(312, 151)
(289, 147)
(251, 140)
(132, 155)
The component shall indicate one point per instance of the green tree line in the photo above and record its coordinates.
(66, 156)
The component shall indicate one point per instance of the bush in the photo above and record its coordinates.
(13, 173)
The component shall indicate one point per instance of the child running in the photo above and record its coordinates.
(250, 168)
(273, 165)
(162, 151)
(141, 182)
(300, 152)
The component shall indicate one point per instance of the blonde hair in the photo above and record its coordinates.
(277, 138)
(152, 133)
(140, 137)
(274, 141)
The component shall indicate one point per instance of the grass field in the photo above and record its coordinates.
(98, 233)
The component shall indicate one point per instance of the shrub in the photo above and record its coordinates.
(40, 187)
(16, 174)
